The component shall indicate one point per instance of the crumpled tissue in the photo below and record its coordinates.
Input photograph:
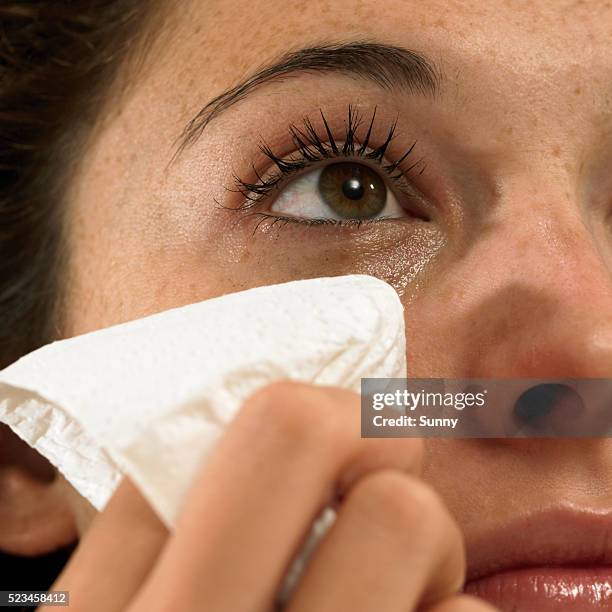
(150, 397)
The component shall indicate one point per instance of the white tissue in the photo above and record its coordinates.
(150, 397)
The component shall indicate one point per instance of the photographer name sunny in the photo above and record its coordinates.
(412, 421)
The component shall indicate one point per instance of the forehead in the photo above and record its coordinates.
(528, 35)
(524, 60)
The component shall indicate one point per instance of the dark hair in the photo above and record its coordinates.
(58, 59)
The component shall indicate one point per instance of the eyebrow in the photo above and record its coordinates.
(387, 66)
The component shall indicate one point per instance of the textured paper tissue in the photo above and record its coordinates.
(150, 397)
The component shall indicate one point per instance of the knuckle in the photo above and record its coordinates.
(273, 393)
(399, 502)
(406, 453)
(296, 411)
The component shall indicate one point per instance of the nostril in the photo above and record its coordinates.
(549, 409)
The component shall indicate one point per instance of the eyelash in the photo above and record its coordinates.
(311, 148)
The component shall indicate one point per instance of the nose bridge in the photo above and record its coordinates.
(553, 250)
(547, 310)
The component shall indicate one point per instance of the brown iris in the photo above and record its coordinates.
(352, 191)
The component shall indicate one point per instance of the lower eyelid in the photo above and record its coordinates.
(265, 221)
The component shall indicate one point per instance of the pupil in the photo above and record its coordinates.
(352, 189)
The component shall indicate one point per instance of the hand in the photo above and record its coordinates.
(291, 450)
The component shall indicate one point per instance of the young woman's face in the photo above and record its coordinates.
(495, 229)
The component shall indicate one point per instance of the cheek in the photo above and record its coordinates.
(123, 275)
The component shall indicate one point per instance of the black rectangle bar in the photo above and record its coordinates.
(486, 408)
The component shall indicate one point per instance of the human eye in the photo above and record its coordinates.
(330, 180)
(338, 191)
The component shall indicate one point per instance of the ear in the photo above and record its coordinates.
(35, 514)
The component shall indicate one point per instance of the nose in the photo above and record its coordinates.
(529, 297)
(543, 306)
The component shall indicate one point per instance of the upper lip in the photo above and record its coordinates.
(559, 536)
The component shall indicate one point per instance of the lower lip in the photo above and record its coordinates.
(572, 589)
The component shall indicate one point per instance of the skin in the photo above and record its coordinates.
(510, 278)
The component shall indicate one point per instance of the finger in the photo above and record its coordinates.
(290, 450)
(462, 603)
(115, 555)
(393, 545)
